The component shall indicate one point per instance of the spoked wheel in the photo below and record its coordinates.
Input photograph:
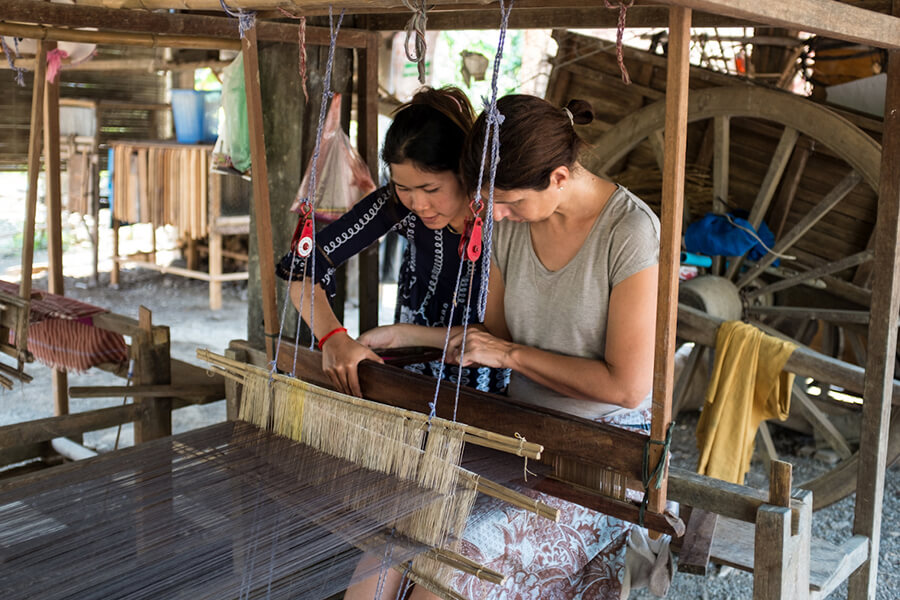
(811, 175)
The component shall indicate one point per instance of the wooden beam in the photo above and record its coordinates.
(725, 499)
(43, 430)
(677, 77)
(34, 169)
(261, 206)
(142, 391)
(147, 40)
(700, 328)
(153, 366)
(184, 24)
(54, 221)
(882, 342)
(828, 18)
(567, 436)
(367, 142)
(544, 17)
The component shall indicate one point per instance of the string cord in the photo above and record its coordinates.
(416, 25)
(301, 48)
(327, 94)
(620, 32)
(437, 388)
(11, 59)
(462, 348)
(759, 239)
(654, 477)
(246, 19)
(493, 120)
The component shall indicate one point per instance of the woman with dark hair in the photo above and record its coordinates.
(425, 202)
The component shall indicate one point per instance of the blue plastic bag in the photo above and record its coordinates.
(716, 235)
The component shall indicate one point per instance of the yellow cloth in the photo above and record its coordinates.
(748, 385)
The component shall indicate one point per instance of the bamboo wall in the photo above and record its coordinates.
(145, 88)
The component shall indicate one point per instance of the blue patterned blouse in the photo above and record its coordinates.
(427, 280)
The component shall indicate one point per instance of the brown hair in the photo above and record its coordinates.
(430, 130)
(535, 138)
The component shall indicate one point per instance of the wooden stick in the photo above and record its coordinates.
(34, 167)
(466, 565)
(780, 483)
(670, 242)
(141, 391)
(147, 40)
(495, 490)
(42, 430)
(261, 208)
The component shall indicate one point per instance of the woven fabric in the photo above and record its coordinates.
(61, 334)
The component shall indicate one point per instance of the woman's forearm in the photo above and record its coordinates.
(582, 378)
(325, 319)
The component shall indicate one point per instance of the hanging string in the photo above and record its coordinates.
(654, 477)
(309, 266)
(11, 59)
(417, 23)
(307, 200)
(462, 348)
(437, 388)
(246, 19)
(493, 120)
(301, 45)
(620, 32)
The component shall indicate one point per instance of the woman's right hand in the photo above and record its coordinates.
(341, 355)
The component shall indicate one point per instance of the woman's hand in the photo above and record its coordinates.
(388, 336)
(482, 348)
(341, 356)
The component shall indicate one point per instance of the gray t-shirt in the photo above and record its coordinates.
(565, 311)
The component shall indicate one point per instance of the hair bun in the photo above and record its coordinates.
(582, 111)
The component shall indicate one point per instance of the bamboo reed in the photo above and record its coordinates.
(479, 437)
(466, 565)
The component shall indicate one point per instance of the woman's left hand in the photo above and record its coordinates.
(387, 336)
(482, 348)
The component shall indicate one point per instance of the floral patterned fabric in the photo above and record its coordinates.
(582, 557)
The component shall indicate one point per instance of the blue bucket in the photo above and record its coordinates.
(196, 116)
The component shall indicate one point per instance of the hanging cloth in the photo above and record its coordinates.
(748, 385)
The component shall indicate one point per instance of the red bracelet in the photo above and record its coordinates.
(329, 334)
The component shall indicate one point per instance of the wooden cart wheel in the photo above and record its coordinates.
(811, 175)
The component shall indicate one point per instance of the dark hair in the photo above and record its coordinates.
(430, 130)
(535, 138)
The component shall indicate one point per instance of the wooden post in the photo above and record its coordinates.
(367, 143)
(670, 242)
(150, 351)
(114, 273)
(54, 222)
(233, 389)
(260, 189)
(882, 345)
(772, 573)
(215, 241)
(34, 168)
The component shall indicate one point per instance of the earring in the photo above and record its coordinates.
(560, 188)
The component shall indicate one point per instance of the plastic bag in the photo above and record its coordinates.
(232, 149)
(717, 235)
(342, 177)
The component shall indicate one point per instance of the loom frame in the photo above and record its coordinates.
(835, 19)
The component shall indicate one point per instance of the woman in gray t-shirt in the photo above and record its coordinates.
(572, 302)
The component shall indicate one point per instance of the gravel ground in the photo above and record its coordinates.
(182, 304)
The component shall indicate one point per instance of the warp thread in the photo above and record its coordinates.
(620, 32)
